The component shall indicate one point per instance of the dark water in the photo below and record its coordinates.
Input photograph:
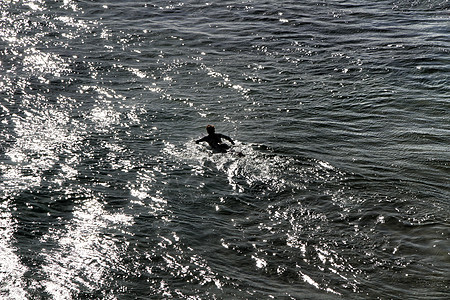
(340, 107)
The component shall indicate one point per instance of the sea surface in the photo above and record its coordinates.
(341, 109)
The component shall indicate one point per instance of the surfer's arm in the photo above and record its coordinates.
(201, 140)
(227, 138)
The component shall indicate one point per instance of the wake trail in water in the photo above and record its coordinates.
(288, 196)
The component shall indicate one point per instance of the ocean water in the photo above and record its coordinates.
(341, 109)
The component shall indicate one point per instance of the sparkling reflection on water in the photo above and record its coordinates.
(104, 194)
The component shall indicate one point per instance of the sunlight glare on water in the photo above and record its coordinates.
(336, 185)
(84, 255)
(11, 269)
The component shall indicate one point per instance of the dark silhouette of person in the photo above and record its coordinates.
(215, 140)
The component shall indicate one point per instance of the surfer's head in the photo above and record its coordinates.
(210, 129)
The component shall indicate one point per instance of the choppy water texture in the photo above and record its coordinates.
(340, 107)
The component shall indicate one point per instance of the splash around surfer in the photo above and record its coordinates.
(215, 140)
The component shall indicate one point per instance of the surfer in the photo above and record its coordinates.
(215, 140)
